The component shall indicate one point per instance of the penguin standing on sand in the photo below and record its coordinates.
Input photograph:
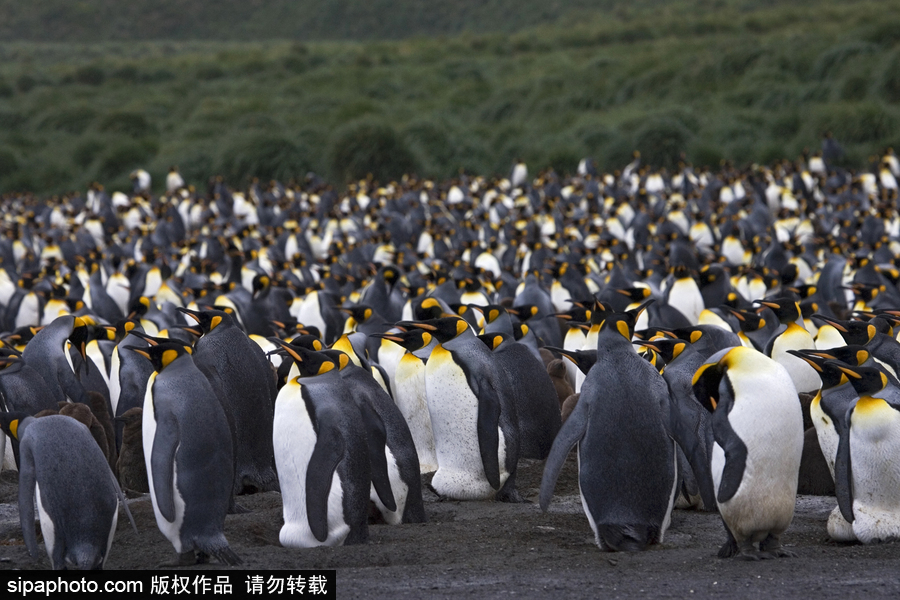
(188, 453)
(627, 469)
(472, 415)
(240, 375)
(758, 442)
(324, 442)
(64, 471)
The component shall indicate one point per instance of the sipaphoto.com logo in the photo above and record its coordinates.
(25, 587)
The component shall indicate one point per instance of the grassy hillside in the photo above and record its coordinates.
(744, 82)
(91, 21)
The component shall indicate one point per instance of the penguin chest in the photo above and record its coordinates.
(874, 446)
(560, 296)
(410, 397)
(685, 296)
(825, 432)
(805, 378)
(766, 417)
(29, 310)
(294, 440)
(453, 408)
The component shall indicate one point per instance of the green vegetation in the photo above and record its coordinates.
(750, 80)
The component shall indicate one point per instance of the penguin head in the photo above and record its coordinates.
(825, 365)
(412, 340)
(786, 309)
(443, 329)
(13, 423)
(855, 332)
(622, 323)
(668, 349)
(311, 363)
(162, 354)
(491, 312)
(139, 307)
(866, 381)
(494, 340)
(80, 333)
(208, 320)
(524, 311)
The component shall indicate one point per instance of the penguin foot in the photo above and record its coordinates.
(182, 559)
(236, 509)
(772, 548)
(440, 498)
(512, 496)
(729, 549)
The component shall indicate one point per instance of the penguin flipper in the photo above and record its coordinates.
(735, 458)
(571, 432)
(162, 463)
(377, 439)
(687, 417)
(488, 429)
(326, 455)
(26, 500)
(843, 471)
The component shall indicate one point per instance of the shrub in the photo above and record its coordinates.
(263, 155)
(8, 163)
(855, 122)
(890, 79)
(124, 156)
(360, 149)
(70, 120)
(661, 142)
(90, 75)
(86, 151)
(127, 123)
(25, 83)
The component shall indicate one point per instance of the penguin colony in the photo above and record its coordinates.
(678, 330)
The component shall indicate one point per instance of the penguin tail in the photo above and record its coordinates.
(219, 548)
(618, 537)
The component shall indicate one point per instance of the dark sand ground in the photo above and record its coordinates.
(486, 549)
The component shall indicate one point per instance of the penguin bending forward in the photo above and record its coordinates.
(627, 470)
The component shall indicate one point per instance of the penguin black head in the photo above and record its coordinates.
(524, 311)
(624, 322)
(412, 340)
(444, 329)
(865, 380)
(139, 307)
(855, 332)
(162, 355)
(786, 309)
(13, 423)
(494, 340)
(825, 366)
(359, 313)
(311, 363)
(491, 312)
(208, 319)
(668, 349)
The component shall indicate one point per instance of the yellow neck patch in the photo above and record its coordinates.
(168, 356)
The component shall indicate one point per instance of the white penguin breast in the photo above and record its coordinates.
(874, 444)
(294, 440)
(453, 408)
(767, 417)
(399, 489)
(410, 396)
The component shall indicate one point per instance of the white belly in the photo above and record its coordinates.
(294, 441)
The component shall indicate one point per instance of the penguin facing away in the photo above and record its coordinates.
(627, 470)
(758, 443)
(64, 473)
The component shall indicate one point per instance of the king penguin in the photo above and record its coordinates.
(758, 442)
(627, 471)
(188, 452)
(65, 474)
